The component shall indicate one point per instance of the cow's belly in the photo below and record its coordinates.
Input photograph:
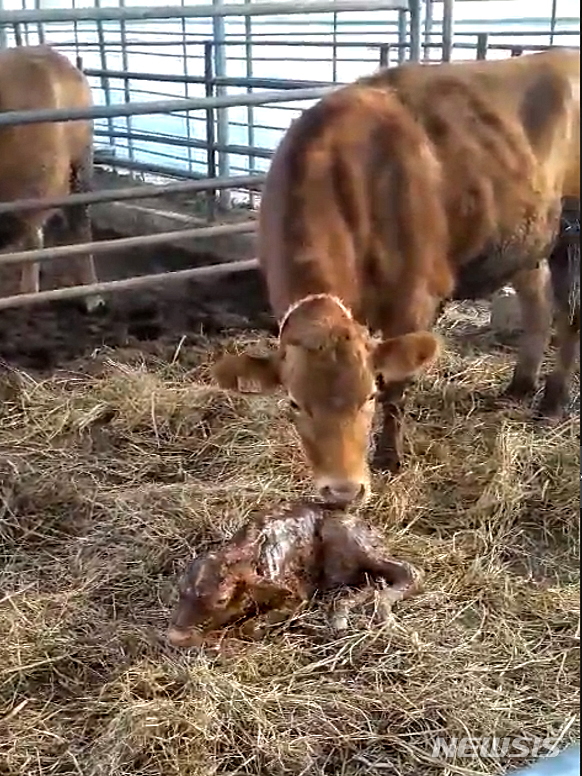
(495, 267)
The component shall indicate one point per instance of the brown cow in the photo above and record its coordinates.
(390, 196)
(44, 160)
(280, 560)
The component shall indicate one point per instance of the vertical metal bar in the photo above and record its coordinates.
(428, 22)
(334, 50)
(39, 26)
(187, 88)
(3, 32)
(222, 128)
(210, 130)
(402, 35)
(415, 10)
(482, 45)
(18, 34)
(553, 21)
(76, 31)
(448, 29)
(385, 55)
(250, 110)
(126, 82)
(105, 85)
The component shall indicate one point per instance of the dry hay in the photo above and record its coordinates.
(112, 474)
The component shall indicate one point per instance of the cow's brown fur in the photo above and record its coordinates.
(410, 187)
(279, 560)
(44, 160)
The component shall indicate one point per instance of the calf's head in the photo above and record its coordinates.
(330, 367)
(212, 593)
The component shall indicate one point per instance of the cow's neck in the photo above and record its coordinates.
(304, 300)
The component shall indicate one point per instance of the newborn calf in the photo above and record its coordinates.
(278, 561)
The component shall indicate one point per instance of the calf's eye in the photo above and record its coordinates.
(294, 406)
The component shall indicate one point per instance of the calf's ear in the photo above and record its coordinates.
(404, 357)
(230, 370)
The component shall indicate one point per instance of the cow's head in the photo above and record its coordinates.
(330, 368)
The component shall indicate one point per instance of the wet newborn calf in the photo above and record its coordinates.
(278, 561)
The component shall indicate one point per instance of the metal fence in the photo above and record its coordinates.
(201, 94)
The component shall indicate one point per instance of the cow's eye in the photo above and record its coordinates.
(294, 406)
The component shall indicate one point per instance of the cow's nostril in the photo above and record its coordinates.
(342, 492)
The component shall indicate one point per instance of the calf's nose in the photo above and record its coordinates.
(184, 638)
(342, 492)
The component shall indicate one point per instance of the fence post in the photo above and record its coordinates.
(105, 85)
(402, 36)
(516, 51)
(415, 7)
(482, 45)
(222, 128)
(384, 55)
(210, 132)
(249, 70)
(3, 36)
(448, 29)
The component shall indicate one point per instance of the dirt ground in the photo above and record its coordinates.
(47, 336)
(120, 459)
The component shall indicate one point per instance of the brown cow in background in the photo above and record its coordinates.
(44, 160)
(390, 196)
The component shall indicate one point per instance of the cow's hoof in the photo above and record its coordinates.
(387, 461)
(555, 399)
(520, 388)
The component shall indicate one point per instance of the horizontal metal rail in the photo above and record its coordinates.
(124, 243)
(257, 83)
(209, 272)
(132, 193)
(96, 14)
(12, 118)
(181, 142)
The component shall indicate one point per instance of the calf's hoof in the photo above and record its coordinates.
(95, 304)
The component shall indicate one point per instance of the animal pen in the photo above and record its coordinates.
(193, 94)
(119, 458)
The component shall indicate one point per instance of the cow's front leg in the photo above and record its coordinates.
(389, 443)
(533, 289)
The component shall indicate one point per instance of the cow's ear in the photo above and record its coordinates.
(403, 357)
(231, 370)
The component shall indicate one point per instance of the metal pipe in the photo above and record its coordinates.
(131, 193)
(402, 36)
(415, 30)
(197, 11)
(258, 83)
(12, 118)
(180, 142)
(123, 243)
(78, 292)
(210, 131)
(448, 29)
(482, 45)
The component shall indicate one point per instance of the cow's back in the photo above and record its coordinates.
(35, 159)
(540, 92)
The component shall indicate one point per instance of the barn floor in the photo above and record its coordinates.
(119, 458)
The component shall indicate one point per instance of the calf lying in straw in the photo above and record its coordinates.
(276, 562)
